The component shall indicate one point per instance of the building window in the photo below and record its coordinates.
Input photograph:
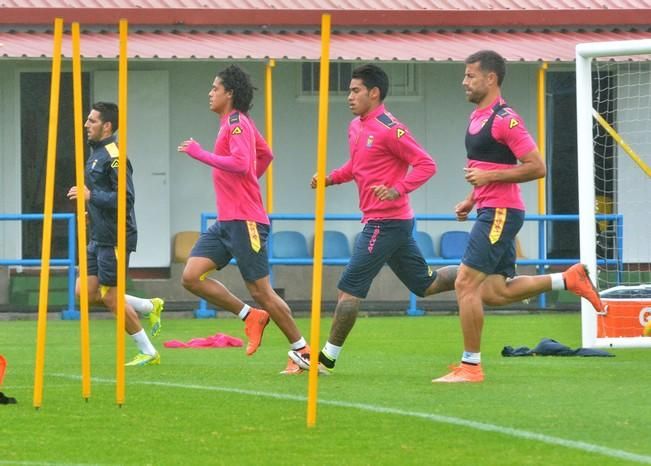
(403, 81)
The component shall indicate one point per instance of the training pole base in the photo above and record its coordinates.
(205, 313)
(70, 315)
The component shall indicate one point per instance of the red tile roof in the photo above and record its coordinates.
(437, 13)
(403, 46)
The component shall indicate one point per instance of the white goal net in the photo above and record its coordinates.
(614, 164)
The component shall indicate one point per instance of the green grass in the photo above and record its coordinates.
(216, 406)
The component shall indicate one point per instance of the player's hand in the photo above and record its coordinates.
(463, 209)
(477, 177)
(188, 146)
(328, 181)
(385, 193)
(72, 193)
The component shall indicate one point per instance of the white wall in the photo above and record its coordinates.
(633, 191)
(10, 187)
(438, 120)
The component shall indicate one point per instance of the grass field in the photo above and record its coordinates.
(216, 406)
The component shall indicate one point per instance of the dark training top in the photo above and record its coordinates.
(483, 146)
(102, 182)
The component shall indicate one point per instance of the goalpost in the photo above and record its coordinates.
(613, 93)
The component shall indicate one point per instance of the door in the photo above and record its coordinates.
(149, 152)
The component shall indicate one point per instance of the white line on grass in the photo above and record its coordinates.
(43, 463)
(519, 433)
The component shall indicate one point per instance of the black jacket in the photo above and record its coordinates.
(102, 182)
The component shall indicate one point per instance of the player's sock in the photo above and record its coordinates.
(558, 282)
(144, 345)
(331, 351)
(469, 357)
(244, 312)
(141, 305)
(299, 344)
(329, 354)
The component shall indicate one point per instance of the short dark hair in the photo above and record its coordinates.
(108, 113)
(236, 80)
(373, 76)
(489, 61)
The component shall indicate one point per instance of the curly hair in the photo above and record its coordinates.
(236, 80)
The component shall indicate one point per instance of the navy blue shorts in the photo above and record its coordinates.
(244, 240)
(102, 262)
(386, 242)
(491, 248)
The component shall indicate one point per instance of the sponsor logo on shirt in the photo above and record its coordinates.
(513, 123)
(234, 118)
(236, 130)
(400, 132)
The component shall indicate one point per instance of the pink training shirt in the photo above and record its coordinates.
(240, 157)
(511, 131)
(381, 152)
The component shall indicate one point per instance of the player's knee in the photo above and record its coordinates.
(348, 305)
(463, 284)
(109, 301)
(190, 281)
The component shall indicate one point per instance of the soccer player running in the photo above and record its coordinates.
(382, 151)
(100, 193)
(501, 154)
(240, 156)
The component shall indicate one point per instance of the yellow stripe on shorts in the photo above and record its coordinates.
(498, 225)
(254, 237)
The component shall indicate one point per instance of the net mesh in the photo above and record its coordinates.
(622, 97)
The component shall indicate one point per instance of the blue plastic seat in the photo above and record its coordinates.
(425, 244)
(335, 245)
(288, 245)
(453, 244)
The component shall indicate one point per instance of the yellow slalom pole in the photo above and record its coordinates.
(55, 86)
(122, 212)
(268, 111)
(542, 74)
(615, 135)
(319, 210)
(81, 213)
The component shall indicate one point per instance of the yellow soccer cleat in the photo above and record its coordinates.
(155, 316)
(144, 360)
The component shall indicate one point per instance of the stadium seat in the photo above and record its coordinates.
(335, 245)
(453, 244)
(183, 243)
(288, 244)
(425, 244)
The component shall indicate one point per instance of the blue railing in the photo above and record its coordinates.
(540, 262)
(70, 261)
(203, 311)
